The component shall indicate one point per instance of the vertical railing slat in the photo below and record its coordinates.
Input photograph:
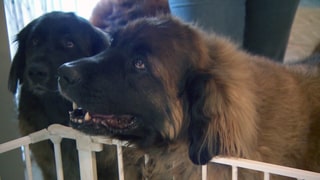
(88, 168)
(56, 140)
(266, 176)
(87, 157)
(234, 173)
(120, 161)
(146, 160)
(204, 172)
(28, 161)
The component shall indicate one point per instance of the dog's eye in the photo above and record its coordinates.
(139, 64)
(68, 44)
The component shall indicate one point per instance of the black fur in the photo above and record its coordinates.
(43, 45)
(199, 150)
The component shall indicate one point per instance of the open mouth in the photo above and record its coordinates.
(110, 122)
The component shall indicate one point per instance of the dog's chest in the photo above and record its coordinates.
(159, 165)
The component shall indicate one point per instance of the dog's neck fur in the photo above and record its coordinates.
(162, 162)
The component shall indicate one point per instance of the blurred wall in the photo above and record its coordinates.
(11, 166)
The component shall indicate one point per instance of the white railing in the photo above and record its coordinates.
(88, 145)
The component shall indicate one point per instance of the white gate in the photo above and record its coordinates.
(88, 145)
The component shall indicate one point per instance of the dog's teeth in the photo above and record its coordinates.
(87, 117)
(74, 105)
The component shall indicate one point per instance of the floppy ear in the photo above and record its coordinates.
(100, 41)
(19, 60)
(221, 104)
(202, 146)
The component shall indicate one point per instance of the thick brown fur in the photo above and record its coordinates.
(110, 14)
(43, 45)
(184, 96)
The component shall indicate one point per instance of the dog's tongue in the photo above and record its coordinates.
(81, 116)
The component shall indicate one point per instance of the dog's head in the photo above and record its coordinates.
(160, 81)
(46, 43)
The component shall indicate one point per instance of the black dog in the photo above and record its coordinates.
(45, 44)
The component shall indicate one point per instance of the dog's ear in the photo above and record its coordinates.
(203, 146)
(19, 60)
(100, 41)
(221, 104)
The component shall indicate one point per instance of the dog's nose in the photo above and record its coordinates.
(68, 75)
(38, 73)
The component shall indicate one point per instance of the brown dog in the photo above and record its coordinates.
(45, 44)
(111, 14)
(184, 96)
